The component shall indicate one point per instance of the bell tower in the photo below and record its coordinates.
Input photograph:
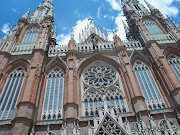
(146, 25)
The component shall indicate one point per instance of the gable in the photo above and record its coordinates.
(109, 126)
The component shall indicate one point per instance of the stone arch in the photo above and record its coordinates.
(12, 65)
(171, 50)
(56, 61)
(106, 59)
(142, 58)
(101, 77)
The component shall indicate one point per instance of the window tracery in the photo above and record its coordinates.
(148, 86)
(102, 90)
(168, 128)
(10, 94)
(53, 100)
(174, 61)
(31, 35)
(152, 27)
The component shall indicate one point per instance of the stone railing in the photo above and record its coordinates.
(99, 47)
(22, 49)
(59, 50)
(133, 44)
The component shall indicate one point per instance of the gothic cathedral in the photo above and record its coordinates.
(94, 86)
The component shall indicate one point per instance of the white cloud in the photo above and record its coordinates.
(98, 12)
(14, 10)
(76, 12)
(5, 28)
(165, 6)
(119, 28)
(109, 17)
(115, 4)
(64, 39)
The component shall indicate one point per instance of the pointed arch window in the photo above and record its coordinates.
(148, 86)
(152, 27)
(174, 61)
(11, 92)
(53, 100)
(102, 90)
(31, 35)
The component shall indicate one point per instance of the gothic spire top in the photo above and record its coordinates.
(72, 34)
(7, 34)
(114, 32)
(54, 32)
(51, 1)
(26, 15)
(175, 24)
(151, 8)
(125, 28)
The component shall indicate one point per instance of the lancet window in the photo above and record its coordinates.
(53, 100)
(102, 90)
(148, 86)
(11, 92)
(174, 61)
(152, 27)
(31, 35)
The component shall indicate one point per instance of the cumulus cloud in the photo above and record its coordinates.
(115, 4)
(118, 27)
(5, 28)
(80, 24)
(165, 6)
(109, 17)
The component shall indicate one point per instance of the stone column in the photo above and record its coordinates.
(23, 117)
(166, 75)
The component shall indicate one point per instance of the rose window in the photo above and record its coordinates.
(100, 76)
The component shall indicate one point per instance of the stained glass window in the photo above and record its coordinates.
(53, 101)
(148, 86)
(11, 92)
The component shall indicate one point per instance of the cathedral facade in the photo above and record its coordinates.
(93, 86)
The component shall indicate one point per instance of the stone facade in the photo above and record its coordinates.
(127, 87)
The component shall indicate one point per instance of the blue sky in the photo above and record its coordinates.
(74, 14)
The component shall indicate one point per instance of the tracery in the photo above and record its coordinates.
(102, 90)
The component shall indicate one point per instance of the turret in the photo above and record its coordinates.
(151, 8)
(175, 24)
(7, 34)
(26, 15)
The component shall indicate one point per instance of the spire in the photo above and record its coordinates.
(50, 1)
(175, 24)
(114, 32)
(54, 33)
(26, 15)
(151, 8)
(125, 28)
(7, 34)
(72, 34)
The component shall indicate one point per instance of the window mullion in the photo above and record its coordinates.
(146, 82)
(151, 84)
(8, 99)
(53, 99)
(14, 94)
(144, 88)
(49, 96)
(58, 99)
(6, 94)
